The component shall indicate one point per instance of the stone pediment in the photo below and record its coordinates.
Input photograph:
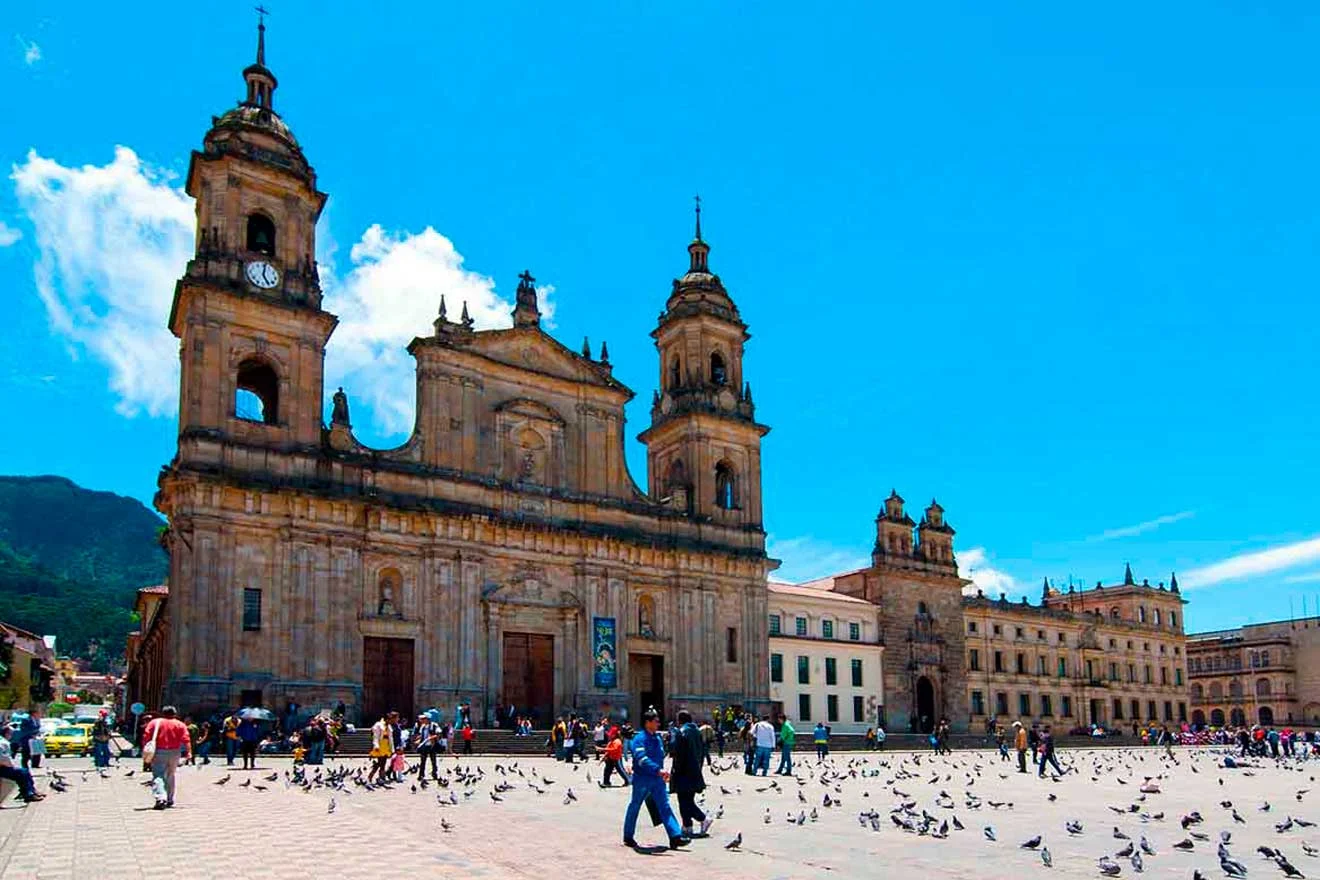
(529, 348)
(521, 590)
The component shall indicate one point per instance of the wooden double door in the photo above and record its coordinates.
(529, 675)
(387, 678)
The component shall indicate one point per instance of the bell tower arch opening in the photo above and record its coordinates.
(257, 392)
(261, 234)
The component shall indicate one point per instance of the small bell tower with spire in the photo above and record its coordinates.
(248, 307)
(704, 444)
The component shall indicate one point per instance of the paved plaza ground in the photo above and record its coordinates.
(104, 827)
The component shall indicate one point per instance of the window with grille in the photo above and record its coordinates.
(251, 610)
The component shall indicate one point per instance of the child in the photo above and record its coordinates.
(613, 754)
(398, 765)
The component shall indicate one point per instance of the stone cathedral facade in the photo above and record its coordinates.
(503, 554)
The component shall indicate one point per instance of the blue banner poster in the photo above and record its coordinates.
(603, 652)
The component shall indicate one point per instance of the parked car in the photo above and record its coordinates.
(69, 741)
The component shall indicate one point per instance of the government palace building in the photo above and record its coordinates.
(504, 556)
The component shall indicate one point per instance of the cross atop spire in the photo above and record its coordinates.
(262, 12)
(525, 311)
(697, 199)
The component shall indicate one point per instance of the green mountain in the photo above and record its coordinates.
(72, 560)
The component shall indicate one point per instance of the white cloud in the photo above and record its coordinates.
(1309, 577)
(1141, 528)
(975, 566)
(1260, 562)
(113, 239)
(8, 234)
(31, 51)
(390, 295)
(805, 559)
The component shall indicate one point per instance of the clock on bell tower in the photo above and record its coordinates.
(248, 307)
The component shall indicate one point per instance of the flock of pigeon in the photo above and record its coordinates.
(928, 797)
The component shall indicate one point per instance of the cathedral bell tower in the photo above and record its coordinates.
(248, 307)
(704, 445)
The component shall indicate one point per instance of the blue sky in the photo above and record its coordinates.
(1057, 270)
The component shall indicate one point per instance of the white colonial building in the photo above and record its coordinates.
(825, 658)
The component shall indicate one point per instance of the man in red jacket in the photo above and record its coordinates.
(172, 743)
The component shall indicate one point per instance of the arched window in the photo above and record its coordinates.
(1173, 620)
(1262, 687)
(1217, 717)
(1113, 613)
(1141, 613)
(718, 376)
(922, 610)
(387, 597)
(1198, 718)
(1198, 692)
(1235, 689)
(1157, 617)
(261, 234)
(1216, 691)
(1237, 718)
(675, 373)
(646, 616)
(1266, 716)
(257, 395)
(726, 488)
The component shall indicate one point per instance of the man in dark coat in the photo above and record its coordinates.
(689, 752)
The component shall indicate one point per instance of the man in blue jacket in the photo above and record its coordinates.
(649, 778)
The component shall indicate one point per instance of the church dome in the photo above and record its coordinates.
(249, 116)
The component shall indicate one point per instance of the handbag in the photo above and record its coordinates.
(149, 750)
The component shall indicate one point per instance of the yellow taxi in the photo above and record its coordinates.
(69, 740)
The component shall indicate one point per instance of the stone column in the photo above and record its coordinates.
(494, 657)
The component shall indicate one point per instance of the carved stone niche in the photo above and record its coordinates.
(531, 443)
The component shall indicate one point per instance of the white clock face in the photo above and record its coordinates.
(262, 274)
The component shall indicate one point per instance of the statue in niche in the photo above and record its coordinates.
(646, 617)
(385, 606)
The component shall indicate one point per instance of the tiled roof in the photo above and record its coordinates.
(815, 592)
(158, 590)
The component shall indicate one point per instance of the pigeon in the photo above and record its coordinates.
(1109, 868)
(1046, 859)
(1286, 866)
(1126, 851)
(1185, 845)
(1032, 843)
(989, 832)
(444, 825)
(1310, 850)
(1119, 835)
(1072, 826)
(221, 781)
(245, 783)
(1138, 864)
(496, 798)
(1146, 847)
(735, 843)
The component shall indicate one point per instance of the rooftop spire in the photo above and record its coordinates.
(260, 81)
(1128, 580)
(698, 250)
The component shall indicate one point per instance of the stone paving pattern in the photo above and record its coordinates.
(106, 828)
